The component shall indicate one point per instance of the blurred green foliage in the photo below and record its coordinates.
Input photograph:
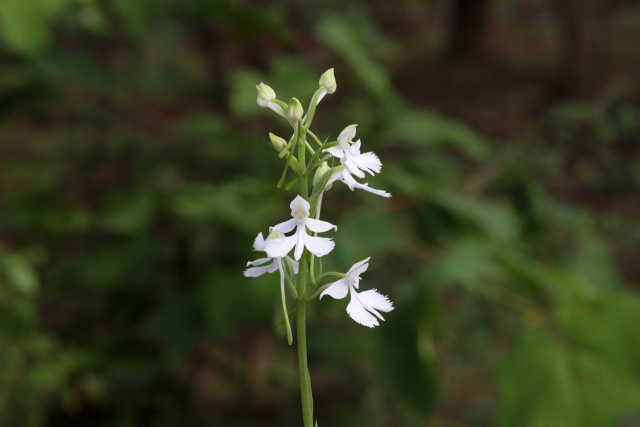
(134, 178)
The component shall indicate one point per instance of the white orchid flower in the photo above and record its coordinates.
(349, 154)
(362, 304)
(319, 246)
(276, 264)
(258, 245)
(266, 97)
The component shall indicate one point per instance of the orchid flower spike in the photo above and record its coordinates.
(266, 99)
(349, 154)
(327, 84)
(319, 246)
(258, 245)
(362, 304)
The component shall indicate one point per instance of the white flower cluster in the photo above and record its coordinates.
(365, 306)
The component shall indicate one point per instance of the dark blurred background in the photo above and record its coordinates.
(134, 176)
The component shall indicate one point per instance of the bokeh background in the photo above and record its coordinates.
(134, 176)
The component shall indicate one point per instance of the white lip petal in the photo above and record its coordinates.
(366, 187)
(337, 290)
(280, 247)
(369, 162)
(348, 179)
(258, 244)
(285, 227)
(358, 313)
(318, 226)
(300, 235)
(376, 300)
(335, 151)
(353, 168)
(319, 246)
(259, 271)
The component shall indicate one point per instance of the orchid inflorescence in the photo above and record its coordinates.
(297, 270)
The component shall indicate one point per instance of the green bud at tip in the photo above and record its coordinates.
(320, 171)
(265, 95)
(277, 142)
(328, 80)
(295, 111)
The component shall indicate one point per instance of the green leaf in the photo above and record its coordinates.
(401, 365)
(587, 376)
(26, 23)
(20, 274)
(424, 127)
(467, 262)
(495, 218)
(364, 233)
(336, 33)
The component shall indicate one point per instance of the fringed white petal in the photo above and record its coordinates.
(337, 290)
(369, 162)
(318, 226)
(319, 246)
(258, 244)
(376, 300)
(280, 246)
(357, 312)
(285, 227)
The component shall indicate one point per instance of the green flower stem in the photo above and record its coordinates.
(314, 137)
(301, 329)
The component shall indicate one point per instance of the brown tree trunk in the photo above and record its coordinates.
(468, 19)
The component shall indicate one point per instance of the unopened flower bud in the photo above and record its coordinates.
(277, 142)
(320, 171)
(295, 111)
(265, 95)
(328, 80)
